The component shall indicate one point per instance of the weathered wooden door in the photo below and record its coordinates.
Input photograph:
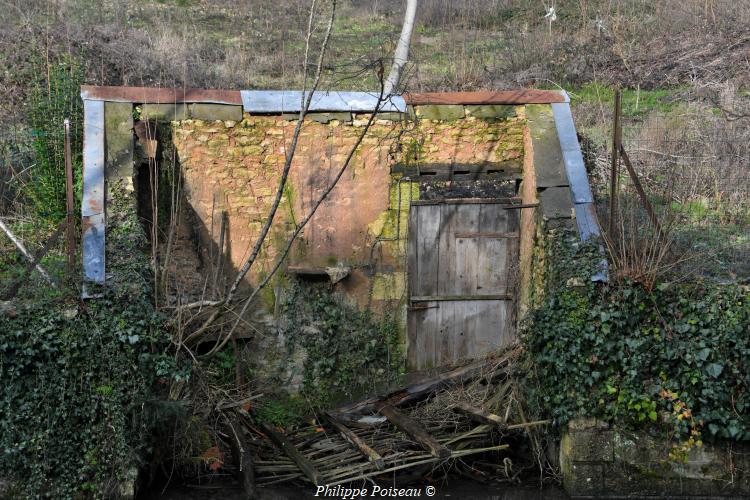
(462, 264)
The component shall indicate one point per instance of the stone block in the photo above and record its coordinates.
(211, 112)
(328, 117)
(548, 159)
(556, 203)
(591, 446)
(442, 112)
(491, 111)
(164, 112)
(118, 132)
(583, 480)
(392, 116)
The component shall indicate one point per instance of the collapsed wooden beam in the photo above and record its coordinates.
(284, 445)
(419, 390)
(415, 431)
(487, 418)
(356, 441)
(479, 415)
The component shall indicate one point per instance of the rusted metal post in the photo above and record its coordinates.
(70, 202)
(615, 179)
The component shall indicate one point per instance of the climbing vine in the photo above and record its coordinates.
(347, 351)
(674, 358)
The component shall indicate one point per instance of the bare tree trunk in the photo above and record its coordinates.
(401, 56)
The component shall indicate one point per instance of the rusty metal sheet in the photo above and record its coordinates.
(520, 96)
(289, 101)
(160, 95)
(571, 151)
(92, 205)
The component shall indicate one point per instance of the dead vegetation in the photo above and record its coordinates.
(429, 428)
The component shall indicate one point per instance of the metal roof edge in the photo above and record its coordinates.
(290, 101)
(487, 97)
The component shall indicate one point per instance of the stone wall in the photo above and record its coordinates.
(235, 165)
(598, 461)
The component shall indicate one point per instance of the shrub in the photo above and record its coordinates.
(676, 356)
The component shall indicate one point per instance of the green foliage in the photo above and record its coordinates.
(81, 381)
(348, 351)
(74, 389)
(54, 98)
(627, 356)
(634, 103)
(281, 411)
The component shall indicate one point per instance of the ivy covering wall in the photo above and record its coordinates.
(675, 359)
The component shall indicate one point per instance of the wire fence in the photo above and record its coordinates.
(695, 170)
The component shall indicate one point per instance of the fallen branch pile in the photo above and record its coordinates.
(430, 425)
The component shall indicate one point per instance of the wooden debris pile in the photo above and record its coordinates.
(468, 411)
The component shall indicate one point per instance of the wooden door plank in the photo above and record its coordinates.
(445, 350)
(428, 249)
(492, 260)
(446, 279)
(490, 330)
(412, 253)
(467, 321)
(466, 252)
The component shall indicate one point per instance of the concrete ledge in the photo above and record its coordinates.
(602, 462)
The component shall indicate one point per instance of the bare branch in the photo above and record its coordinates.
(307, 99)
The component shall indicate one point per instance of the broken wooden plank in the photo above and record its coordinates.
(415, 431)
(487, 418)
(372, 455)
(281, 442)
(420, 389)
(479, 415)
(243, 458)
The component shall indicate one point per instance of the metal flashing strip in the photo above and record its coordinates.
(514, 97)
(289, 101)
(92, 205)
(571, 150)
(160, 95)
(587, 221)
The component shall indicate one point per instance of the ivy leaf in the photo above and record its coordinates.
(714, 369)
(703, 354)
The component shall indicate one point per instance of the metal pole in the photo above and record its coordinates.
(70, 202)
(614, 181)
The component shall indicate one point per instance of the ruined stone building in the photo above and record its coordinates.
(434, 220)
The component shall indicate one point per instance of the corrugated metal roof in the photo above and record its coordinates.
(289, 101)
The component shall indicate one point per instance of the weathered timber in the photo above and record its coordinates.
(421, 389)
(281, 442)
(415, 431)
(243, 458)
(479, 415)
(372, 455)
